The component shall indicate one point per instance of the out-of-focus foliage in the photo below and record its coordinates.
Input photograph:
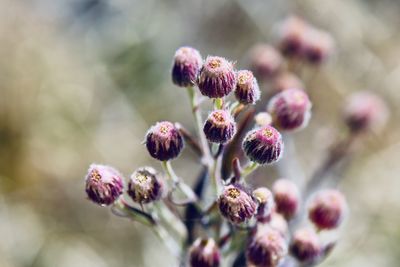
(82, 80)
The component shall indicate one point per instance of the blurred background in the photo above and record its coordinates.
(82, 80)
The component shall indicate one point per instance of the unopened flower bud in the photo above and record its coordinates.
(286, 81)
(279, 223)
(265, 61)
(306, 246)
(104, 184)
(263, 145)
(247, 91)
(290, 109)
(266, 203)
(267, 248)
(287, 197)
(145, 186)
(291, 36)
(236, 204)
(217, 77)
(186, 66)
(318, 46)
(365, 111)
(163, 141)
(204, 253)
(263, 118)
(220, 126)
(327, 209)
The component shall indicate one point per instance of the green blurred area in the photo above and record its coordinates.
(81, 82)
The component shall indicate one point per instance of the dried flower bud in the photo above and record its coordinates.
(265, 61)
(287, 197)
(286, 81)
(186, 66)
(267, 248)
(279, 223)
(306, 246)
(290, 109)
(145, 186)
(104, 184)
(291, 36)
(163, 141)
(318, 46)
(263, 145)
(263, 118)
(220, 126)
(365, 111)
(236, 204)
(247, 91)
(204, 253)
(327, 209)
(217, 77)
(266, 203)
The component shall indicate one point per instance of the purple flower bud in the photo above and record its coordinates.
(163, 141)
(291, 36)
(186, 66)
(266, 203)
(263, 145)
(290, 109)
(267, 248)
(220, 126)
(204, 253)
(145, 186)
(279, 223)
(365, 111)
(327, 209)
(286, 81)
(236, 204)
(318, 46)
(265, 61)
(104, 184)
(306, 246)
(247, 90)
(287, 198)
(217, 77)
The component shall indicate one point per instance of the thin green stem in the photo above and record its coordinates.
(251, 167)
(219, 103)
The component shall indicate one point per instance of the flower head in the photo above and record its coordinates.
(247, 90)
(318, 46)
(306, 246)
(327, 209)
(263, 145)
(186, 66)
(236, 204)
(204, 253)
(217, 77)
(291, 36)
(267, 248)
(265, 61)
(290, 109)
(286, 80)
(104, 184)
(145, 186)
(287, 197)
(163, 141)
(220, 126)
(266, 203)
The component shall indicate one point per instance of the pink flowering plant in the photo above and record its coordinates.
(223, 220)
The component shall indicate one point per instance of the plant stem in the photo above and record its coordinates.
(219, 103)
(251, 166)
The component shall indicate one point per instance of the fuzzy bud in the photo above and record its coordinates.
(145, 186)
(290, 109)
(263, 118)
(247, 91)
(164, 141)
(104, 184)
(306, 246)
(291, 36)
(220, 126)
(236, 204)
(217, 77)
(263, 145)
(266, 203)
(267, 248)
(279, 223)
(286, 81)
(318, 46)
(186, 66)
(265, 61)
(287, 198)
(204, 253)
(365, 111)
(327, 209)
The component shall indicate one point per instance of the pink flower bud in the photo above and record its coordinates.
(306, 246)
(104, 184)
(266, 203)
(145, 186)
(291, 36)
(204, 253)
(247, 90)
(287, 198)
(318, 46)
(286, 80)
(186, 66)
(265, 61)
(220, 126)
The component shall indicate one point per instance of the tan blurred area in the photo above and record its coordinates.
(82, 80)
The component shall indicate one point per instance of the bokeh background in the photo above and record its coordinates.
(82, 80)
